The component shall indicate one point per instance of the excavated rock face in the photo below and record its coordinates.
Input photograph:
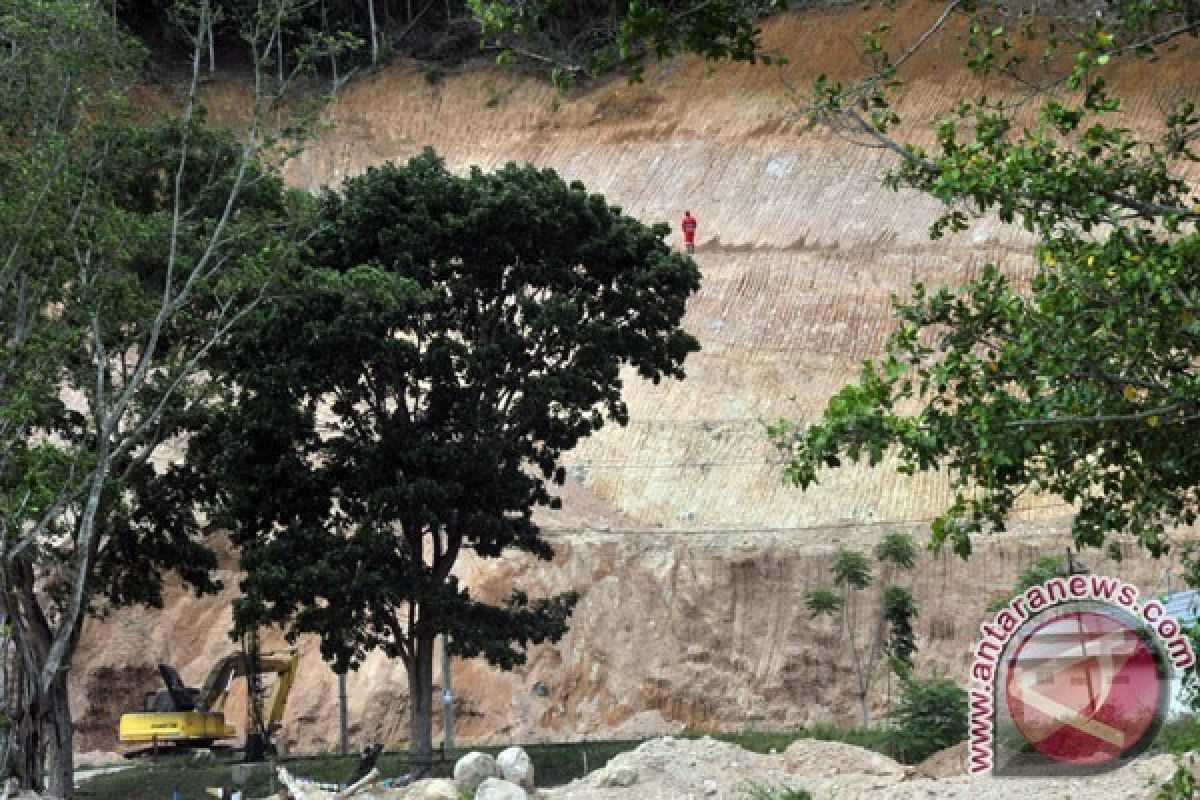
(707, 631)
(691, 558)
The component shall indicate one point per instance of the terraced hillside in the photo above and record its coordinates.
(692, 558)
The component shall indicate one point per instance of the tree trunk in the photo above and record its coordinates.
(332, 50)
(42, 736)
(25, 755)
(59, 738)
(374, 35)
(420, 701)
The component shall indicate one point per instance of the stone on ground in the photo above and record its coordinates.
(473, 769)
(516, 767)
(616, 777)
(944, 763)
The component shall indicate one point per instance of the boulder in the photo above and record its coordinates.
(473, 769)
(500, 789)
(617, 777)
(515, 767)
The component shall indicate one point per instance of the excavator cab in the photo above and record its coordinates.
(176, 697)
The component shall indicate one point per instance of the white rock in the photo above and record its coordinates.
(473, 769)
(515, 767)
(617, 777)
(499, 789)
(710, 787)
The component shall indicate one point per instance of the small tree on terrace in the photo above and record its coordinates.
(462, 333)
(888, 625)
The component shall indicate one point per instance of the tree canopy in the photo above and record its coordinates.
(581, 39)
(1084, 384)
(411, 396)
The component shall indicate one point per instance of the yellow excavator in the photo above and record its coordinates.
(188, 717)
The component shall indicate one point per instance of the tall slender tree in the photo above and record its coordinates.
(129, 252)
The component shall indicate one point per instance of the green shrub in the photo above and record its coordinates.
(929, 716)
(757, 791)
(1181, 785)
(764, 741)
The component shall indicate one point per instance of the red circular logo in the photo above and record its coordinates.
(1085, 688)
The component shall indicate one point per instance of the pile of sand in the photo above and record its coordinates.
(704, 769)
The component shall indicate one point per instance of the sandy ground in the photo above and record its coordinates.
(679, 769)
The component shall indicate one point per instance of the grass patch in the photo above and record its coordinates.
(757, 791)
(554, 765)
(762, 742)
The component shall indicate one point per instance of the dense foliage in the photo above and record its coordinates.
(410, 398)
(129, 252)
(440, 31)
(584, 38)
(929, 716)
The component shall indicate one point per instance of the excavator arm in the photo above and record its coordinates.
(285, 671)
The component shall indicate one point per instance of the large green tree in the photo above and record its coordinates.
(1083, 385)
(410, 399)
(129, 252)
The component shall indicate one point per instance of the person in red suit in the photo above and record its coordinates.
(689, 232)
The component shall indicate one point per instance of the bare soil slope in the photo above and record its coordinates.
(691, 558)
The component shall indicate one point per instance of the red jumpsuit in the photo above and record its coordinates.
(689, 232)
